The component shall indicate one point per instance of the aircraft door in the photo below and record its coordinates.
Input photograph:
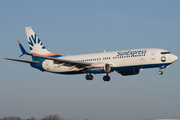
(153, 55)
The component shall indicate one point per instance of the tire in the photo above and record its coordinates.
(106, 78)
(160, 72)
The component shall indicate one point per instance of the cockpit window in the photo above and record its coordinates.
(165, 53)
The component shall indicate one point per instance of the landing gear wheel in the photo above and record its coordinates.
(89, 77)
(106, 78)
(160, 72)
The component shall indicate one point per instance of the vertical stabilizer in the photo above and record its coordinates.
(35, 44)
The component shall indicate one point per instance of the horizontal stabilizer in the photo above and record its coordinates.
(25, 61)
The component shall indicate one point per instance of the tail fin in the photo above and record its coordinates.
(36, 46)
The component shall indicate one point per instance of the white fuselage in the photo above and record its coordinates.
(119, 60)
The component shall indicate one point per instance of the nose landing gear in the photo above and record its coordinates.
(160, 72)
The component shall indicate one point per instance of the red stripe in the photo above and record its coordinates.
(97, 66)
(46, 55)
(18, 42)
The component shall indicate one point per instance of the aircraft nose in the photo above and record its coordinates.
(175, 58)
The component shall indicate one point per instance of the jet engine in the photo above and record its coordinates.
(100, 68)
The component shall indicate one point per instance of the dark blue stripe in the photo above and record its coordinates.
(121, 68)
(34, 38)
(30, 42)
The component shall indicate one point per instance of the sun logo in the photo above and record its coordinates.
(163, 59)
(35, 43)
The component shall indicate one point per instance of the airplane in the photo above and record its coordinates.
(125, 62)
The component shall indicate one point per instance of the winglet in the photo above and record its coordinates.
(22, 49)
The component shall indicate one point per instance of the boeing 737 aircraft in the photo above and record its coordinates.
(125, 62)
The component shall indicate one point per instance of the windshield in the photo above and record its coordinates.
(165, 53)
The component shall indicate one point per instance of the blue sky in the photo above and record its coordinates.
(78, 27)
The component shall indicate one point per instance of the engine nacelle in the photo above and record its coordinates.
(100, 68)
(129, 72)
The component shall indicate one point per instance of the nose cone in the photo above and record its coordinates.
(174, 58)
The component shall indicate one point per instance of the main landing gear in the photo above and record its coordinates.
(106, 78)
(160, 72)
(89, 77)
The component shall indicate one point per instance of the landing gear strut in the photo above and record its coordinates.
(160, 72)
(89, 77)
(106, 78)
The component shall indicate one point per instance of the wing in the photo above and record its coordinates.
(64, 62)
